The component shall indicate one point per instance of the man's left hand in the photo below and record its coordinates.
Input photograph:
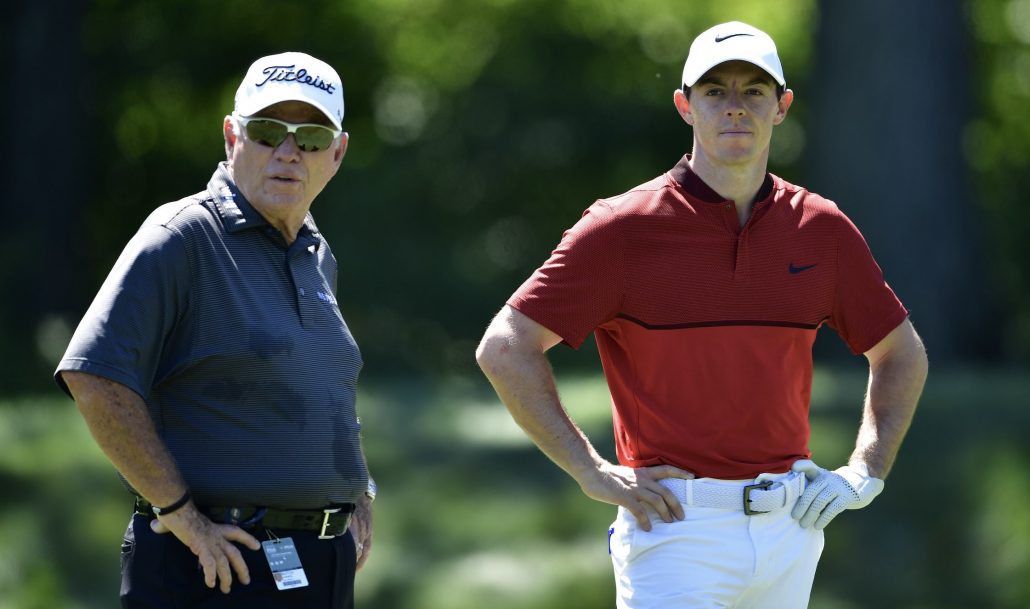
(830, 493)
(361, 529)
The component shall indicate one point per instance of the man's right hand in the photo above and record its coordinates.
(513, 357)
(120, 422)
(211, 542)
(637, 489)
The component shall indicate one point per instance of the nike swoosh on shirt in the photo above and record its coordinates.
(721, 38)
(794, 270)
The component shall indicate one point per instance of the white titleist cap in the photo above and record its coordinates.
(291, 77)
(733, 41)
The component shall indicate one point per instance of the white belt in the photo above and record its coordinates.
(767, 493)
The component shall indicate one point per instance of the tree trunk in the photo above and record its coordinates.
(42, 199)
(888, 102)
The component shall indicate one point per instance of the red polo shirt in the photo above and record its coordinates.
(704, 328)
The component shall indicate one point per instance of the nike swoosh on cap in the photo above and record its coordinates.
(721, 38)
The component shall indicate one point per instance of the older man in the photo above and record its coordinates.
(215, 370)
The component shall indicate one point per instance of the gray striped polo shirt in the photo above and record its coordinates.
(237, 344)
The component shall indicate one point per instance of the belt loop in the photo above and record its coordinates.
(789, 491)
(690, 492)
(792, 488)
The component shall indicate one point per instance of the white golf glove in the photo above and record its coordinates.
(830, 493)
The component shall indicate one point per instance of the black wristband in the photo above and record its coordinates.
(164, 511)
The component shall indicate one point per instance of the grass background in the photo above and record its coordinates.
(470, 514)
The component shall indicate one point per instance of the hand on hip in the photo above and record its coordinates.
(830, 493)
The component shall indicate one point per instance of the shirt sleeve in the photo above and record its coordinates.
(123, 333)
(865, 308)
(581, 285)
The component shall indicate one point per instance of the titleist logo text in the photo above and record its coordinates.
(290, 74)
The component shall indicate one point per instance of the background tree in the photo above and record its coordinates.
(891, 96)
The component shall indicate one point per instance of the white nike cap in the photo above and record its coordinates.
(733, 41)
(291, 77)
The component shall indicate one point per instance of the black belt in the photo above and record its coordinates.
(328, 522)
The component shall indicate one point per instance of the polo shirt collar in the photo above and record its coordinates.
(236, 212)
(232, 208)
(694, 186)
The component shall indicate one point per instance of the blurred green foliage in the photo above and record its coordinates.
(470, 514)
(479, 131)
(997, 144)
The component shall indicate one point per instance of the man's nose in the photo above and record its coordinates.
(288, 148)
(735, 106)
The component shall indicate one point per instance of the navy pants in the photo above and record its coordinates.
(160, 572)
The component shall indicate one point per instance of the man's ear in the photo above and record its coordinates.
(783, 105)
(341, 149)
(229, 132)
(679, 98)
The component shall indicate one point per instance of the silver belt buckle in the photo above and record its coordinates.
(761, 486)
(325, 522)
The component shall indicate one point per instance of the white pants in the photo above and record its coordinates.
(714, 558)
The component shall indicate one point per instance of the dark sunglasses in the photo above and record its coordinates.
(272, 132)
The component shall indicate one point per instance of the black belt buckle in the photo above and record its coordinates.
(761, 486)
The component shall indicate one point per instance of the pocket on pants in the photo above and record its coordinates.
(128, 539)
(622, 538)
(128, 546)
